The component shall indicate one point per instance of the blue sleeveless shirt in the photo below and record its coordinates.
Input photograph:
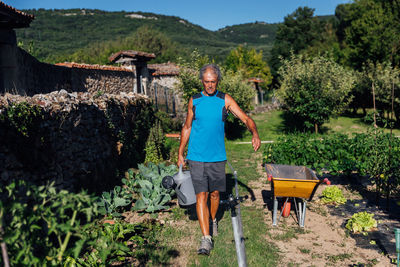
(207, 139)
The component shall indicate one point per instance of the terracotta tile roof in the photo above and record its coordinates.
(135, 55)
(13, 18)
(256, 80)
(164, 69)
(93, 67)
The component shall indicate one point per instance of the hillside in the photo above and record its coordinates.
(259, 35)
(56, 33)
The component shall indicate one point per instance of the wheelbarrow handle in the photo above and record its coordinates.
(326, 180)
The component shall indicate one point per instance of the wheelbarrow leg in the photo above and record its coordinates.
(303, 214)
(299, 213)
(275, 211)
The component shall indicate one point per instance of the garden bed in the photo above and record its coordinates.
(324, 241)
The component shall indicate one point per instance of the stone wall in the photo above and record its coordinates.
(76, 139)
(107, 81)
(34, 77)
(31, 77)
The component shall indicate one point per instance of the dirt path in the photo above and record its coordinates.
(323, 241)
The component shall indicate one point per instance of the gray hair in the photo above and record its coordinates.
(213, 67)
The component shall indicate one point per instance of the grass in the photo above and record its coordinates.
(270, 126)
(259, 252)
(339, 257)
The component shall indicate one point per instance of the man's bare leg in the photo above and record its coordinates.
(214, 203)
(203, 213)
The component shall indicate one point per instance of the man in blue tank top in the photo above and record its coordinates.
(204, 130)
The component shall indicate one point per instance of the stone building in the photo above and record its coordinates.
(139, 60)
(10, 19)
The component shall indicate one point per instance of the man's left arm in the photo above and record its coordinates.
(233, 107)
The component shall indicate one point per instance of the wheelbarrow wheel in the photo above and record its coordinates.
(286, 209)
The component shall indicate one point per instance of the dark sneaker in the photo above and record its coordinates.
(206, 245)
(214, 227)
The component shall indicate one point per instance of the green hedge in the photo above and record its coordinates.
(336, 153)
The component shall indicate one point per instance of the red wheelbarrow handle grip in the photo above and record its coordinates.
(327, 181)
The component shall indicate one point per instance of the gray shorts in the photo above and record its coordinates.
(208, 176)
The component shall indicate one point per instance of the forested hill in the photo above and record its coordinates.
(54, 35)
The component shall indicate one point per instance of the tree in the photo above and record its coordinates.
(150, 40)
(298, 31)
(145, 39)
(250, 63)
(369, 31)
(314, 89)
(385, 81)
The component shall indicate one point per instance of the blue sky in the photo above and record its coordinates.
(210, 14)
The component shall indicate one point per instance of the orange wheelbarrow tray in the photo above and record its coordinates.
(296, 182)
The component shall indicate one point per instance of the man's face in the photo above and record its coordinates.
(210, 82)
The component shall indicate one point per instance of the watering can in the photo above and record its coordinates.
(181, 182)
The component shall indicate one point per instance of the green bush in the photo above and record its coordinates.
(361, 221)
(375, 153)
(328, 153)
(314, 89)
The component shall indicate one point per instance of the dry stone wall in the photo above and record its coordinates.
(77, 139)
(35, 77)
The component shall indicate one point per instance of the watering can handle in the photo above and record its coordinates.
(180, 169)
(181, 196)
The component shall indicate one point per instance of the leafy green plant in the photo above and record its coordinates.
(361, 221)
(21, 116)
(333, 195)
(153, 196)
(155, 144)
(41, 224)
(107, 243)
(111, 202)
(330, 153)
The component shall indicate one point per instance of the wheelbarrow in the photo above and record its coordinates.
(292, 182)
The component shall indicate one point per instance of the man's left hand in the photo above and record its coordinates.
(256, 142)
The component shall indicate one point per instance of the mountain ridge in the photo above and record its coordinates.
(55, 33)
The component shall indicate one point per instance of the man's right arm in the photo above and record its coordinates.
(185, 133)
